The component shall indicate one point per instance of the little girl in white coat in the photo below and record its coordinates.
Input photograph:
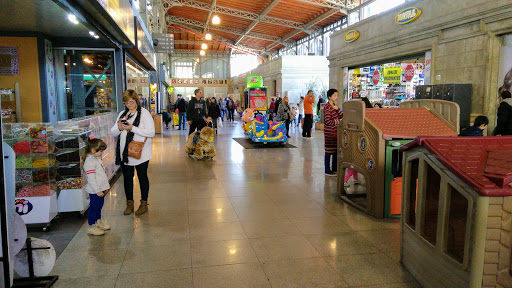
(97, 185)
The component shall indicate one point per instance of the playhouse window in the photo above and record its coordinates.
(413, 187)
(457, 220)
(433, 186)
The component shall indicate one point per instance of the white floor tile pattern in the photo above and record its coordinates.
(248, 218)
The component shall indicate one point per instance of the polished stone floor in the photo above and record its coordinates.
(248, 218)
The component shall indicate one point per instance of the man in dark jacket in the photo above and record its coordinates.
(478, 127)
(195, 111)
(276, 104)
(504, 121)
(181, 105)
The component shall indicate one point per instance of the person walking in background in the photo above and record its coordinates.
(195, 111)
(214, 112)
(182, 112)
(332, 116)
(271, 109)
(231, 109)
(134, 123)
(278, 102)
(308, 117)
(97, 185)
(294, 115)
(504, 121)
(284, 114)
(321, 100)
(301, 110)
(223, 109)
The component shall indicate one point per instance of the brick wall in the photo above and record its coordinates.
(498, 243)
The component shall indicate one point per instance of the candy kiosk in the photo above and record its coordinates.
(369, 168)
(70, 140)
(48, 164)
(36, 188)
(457, 211)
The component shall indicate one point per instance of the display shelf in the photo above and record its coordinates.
(71, 139)
(35, 149)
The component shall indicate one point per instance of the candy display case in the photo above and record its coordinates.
(36, 185)
(71, 140)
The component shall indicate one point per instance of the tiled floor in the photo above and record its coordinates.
(248, 218)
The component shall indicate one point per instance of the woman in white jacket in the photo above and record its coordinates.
(134, 123)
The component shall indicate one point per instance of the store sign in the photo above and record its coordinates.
(170, 89)
(409, 73)
(23, 207)
(407, 15)
(393, 75)
(164, 42)
(376, 77)
(351, 36)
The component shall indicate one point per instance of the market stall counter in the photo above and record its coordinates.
(369, 167)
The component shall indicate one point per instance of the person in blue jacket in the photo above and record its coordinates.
(478, 127)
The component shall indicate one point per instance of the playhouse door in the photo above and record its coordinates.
(393, 178)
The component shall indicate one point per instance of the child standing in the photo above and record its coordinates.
(97, 185)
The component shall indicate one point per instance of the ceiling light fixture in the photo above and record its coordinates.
(202, 53)
(204, 46)
(208, 36)
(92, 33)
(216, 20)
(96, 36)
(72, 18)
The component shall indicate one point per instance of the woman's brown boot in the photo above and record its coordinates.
(143, 208)
(129, 207)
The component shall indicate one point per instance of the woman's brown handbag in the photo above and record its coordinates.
(135, 149)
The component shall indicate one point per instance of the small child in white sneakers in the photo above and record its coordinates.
(96, 185)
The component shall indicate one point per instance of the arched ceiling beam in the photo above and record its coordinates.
(167, 4)
(255, 22)
(230, 30)
(212, 6)
(311, 23)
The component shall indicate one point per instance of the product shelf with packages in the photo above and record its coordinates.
(36, 188)
(71, 139)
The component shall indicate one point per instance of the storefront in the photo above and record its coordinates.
(387, 84)
(137, 78)
(422, 34)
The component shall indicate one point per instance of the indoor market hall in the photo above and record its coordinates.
(247, 218)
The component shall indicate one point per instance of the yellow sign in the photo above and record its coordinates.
(407, 15)
(351, 36)
(393, 75)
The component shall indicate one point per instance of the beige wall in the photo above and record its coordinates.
(463, 35)
(30, 86)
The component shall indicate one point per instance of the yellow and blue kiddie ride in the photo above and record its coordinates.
(256, 124)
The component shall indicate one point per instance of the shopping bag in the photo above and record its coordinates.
(219, 123)
(176, 119)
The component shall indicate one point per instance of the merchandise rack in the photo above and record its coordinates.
(34, 145)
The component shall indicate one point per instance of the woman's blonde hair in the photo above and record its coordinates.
(285, 98)
(131, 95)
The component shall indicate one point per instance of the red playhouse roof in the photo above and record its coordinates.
(408, 123)
(484, 163)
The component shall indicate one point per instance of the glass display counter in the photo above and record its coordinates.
(36, 187)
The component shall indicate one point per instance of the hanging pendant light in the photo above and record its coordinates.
(204, 46)
(215, 20)
(202, 53)
(208, 36)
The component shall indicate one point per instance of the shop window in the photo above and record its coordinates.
(433, 185)
(413, 187)
(85, 82)
(457, 220)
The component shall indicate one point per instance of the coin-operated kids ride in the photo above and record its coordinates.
(264, 131)
(247, 118)
(255, 95)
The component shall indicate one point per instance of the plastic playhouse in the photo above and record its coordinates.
(457, 223)
(264, 131)
(369, 141)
